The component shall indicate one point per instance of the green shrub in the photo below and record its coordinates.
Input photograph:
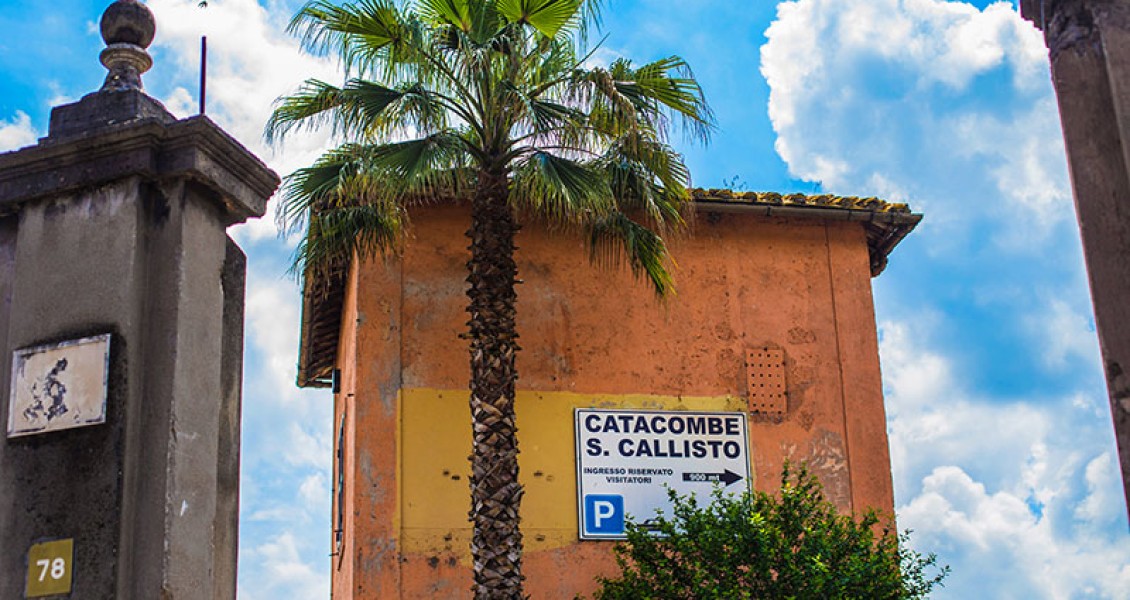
(792, 544)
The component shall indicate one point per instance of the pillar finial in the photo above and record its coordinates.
(127, 28)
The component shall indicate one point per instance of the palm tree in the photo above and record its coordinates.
(492, 101)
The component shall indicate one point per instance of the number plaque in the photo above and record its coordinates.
(49, 568)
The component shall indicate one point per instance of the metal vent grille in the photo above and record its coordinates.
(765, 377)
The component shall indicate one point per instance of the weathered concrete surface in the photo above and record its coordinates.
(122, 230)
(1089, 45)
(193, 148)
(593, 337)
(367, 564)
(225, 530)
(7, 272)
(58, 484)
(99, 109)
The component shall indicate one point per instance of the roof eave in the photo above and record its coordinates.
(885, 229)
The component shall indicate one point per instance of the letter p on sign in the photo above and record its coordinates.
(604, 514)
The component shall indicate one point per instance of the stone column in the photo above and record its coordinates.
(115, 224)
(1089, 46)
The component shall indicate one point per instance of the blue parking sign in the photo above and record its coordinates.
(604, 514)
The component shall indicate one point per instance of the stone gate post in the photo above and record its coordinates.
(1089, 49)
(121, 324)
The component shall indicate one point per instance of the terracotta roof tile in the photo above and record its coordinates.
(816, 200)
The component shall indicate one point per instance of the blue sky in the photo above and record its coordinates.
(1002, 449)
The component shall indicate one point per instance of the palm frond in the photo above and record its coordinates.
(325, 27)
(361, 109)
(338, 234)
(535, 116)
(560, 189)
(382, 113)
(551, 66)
(590, 19)
(318, 187)
(609, 109)
(447, 12)
(646, 174)
(371, 37)
(670, 83)
(636, 190)
(430, 168)
(616, 238)
(309, 107)
(421, 167)
(549, 17)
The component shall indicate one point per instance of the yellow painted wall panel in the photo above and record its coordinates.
(435, 430)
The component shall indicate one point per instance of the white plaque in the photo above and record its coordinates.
(59, 386)
(628, 459)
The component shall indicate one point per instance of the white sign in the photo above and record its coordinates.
(627, 460)
(59, 386)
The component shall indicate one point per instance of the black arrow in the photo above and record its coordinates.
(726, 477)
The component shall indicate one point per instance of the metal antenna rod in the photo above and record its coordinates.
(203, 71)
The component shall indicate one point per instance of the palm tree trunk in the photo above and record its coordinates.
(496, 544)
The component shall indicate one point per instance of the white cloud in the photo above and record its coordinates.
(288, 445)
(280, 572)
(910, 373)
(309, 503)
(1023, 500)
(275, 402)
(929, 407)
(1015, 553)
(273, 314)
(181, 102)
(890, 97)
(949, 107)
(308, 446)
(1099, 503)
(287, 513)
(1065, 334)
(1089, 405)
(60, 96)
(1028, 170)
(17, 133)
(313, 491)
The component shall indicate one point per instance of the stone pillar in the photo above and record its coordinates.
(1089, 47)
(114, 224)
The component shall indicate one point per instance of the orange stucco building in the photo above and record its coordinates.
(768, 286)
